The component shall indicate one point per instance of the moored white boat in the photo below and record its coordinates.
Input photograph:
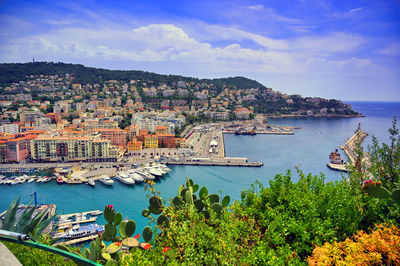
(154, 171)
(145, 174)
(135, 176)
(82, 231)
(106, 180)
(31, 180)
(92, 183)
(126, 180)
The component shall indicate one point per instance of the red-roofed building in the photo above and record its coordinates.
(16, 148)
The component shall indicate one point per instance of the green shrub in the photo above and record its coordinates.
(33, 256)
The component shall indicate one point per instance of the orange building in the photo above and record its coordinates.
(55, 118)
(161, 130)
(166, 141)
(134, 145)
(116, 135)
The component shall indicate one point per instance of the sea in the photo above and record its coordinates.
(308, 149)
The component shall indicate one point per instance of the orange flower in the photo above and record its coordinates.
(137, 236)
(147, 246)
(165, 249)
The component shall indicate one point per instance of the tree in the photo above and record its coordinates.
(385, 158)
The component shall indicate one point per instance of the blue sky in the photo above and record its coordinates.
(348, 50)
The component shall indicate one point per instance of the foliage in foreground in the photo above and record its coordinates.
(280, 224)
(294, 217)
(33, 256)
(380, 247)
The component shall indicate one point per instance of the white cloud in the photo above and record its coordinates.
(393, 49)
(356, 9)
(169, 43)
(255, 7)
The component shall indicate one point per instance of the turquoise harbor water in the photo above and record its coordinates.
(308, 148)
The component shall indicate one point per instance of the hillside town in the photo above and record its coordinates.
(53, 118)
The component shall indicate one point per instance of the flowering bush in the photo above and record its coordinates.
(380, 247)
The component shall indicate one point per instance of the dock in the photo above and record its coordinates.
(80, 217)
(79, 240)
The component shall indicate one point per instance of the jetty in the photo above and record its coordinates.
(349, 148)
(350, 145)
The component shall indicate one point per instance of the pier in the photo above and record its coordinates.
(349, 148)
(80, 217)
(79, 240)
(350, 145)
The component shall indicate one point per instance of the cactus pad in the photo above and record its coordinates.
(225, 201)
(214, 198)
(106, 256)
(130, 242)
(178, 202)
(155, 202)
(377, 191)
(113, 248)
(162, 221)
(396, 195)
(109, 214)
(203, 193)
(121, 229)
(147, 233)
(199, 204)
(195, 188)
(145, 213)
(217, 208)
(154, 210)
(117, 219)
(130, 228)
(110, 230)
(188, 196)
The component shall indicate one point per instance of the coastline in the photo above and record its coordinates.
(317, 115)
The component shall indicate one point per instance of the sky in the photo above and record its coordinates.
(348, 50)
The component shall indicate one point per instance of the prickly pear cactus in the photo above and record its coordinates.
(130, 228)
(109, 213)
(396, 195)
(130, 242)
(203, 193)
(147, 233)
(113, 247)
(121, 229)
(375, 189)
(214, 198)
(225, 201)
(162, 221)
(145, 213)
(117, 219)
